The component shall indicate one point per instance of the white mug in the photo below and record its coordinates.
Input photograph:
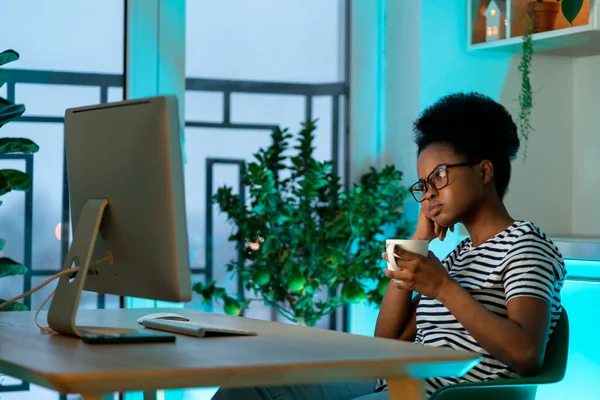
(414, 246)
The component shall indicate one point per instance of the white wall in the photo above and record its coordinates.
(402, 90)
(364, 98)
(365, 109)
(384, 84)
(586, 146)
(542, 183)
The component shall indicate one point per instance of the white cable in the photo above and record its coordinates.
(45, 329)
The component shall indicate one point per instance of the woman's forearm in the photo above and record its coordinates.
(394, 312)
(409, 333)
(503, 338)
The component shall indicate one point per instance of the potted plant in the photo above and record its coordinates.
(543, 13)
(11, 179)
(301, 238)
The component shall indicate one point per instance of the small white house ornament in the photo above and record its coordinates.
(495, 20)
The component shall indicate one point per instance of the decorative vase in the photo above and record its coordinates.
(543, 14)
(479, 30)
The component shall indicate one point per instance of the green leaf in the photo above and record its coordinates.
(4, 185)
(571, 8)
(9, 111)
(232, 306)
(16, 306)
(9, 267)
(259, 209)
(8, 56)
(281, 219)
(2, 244)
(17, 145)
(18, 180)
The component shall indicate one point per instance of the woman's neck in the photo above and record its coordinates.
(487, 221)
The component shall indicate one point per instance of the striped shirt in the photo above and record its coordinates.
(520, 261)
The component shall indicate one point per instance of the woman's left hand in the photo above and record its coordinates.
(425, 275)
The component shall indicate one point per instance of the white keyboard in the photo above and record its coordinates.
(193, 328)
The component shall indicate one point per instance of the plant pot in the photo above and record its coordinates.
(543, 14)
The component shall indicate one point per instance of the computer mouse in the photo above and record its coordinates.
(169, 316)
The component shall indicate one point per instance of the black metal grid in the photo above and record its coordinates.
(210, 163)
(228, 87)
(14, 77)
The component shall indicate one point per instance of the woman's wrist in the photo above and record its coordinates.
(448, 288)
(416, 236)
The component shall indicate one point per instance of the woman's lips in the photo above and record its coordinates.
(434, 209)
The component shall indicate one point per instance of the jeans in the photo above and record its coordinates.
(317, 391)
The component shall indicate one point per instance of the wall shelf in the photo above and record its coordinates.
(581, 39)
(579, 248)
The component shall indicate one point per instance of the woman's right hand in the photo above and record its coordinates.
(428, 229)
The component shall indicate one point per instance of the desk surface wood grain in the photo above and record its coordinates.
(279, 354)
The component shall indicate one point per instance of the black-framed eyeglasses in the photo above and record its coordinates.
(438, 179)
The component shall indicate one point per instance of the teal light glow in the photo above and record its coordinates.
(446, 65)
(177, 394)
(381, 62)
(582, 302)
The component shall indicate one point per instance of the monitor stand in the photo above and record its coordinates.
(63, 309)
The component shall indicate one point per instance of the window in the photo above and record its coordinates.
(72, 54)
(251, 66)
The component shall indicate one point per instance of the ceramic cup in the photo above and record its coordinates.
(414, 246)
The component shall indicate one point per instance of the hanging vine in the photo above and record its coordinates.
(526, 95)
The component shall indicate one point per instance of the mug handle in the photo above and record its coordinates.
(392, 257)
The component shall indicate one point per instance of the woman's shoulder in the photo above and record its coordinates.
(531, 246)
(524, 230)
(526, 234)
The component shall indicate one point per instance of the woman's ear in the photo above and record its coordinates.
(487, 171)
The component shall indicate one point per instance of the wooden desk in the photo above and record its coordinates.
(280, 354)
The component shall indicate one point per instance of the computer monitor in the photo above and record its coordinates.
(126, 185)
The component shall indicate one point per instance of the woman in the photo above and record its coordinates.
(497, 293)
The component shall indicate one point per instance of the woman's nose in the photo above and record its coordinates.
(432, 193)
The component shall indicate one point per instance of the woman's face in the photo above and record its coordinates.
(461, 186)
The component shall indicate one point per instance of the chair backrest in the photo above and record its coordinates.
(557, 350)
(553, 370)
